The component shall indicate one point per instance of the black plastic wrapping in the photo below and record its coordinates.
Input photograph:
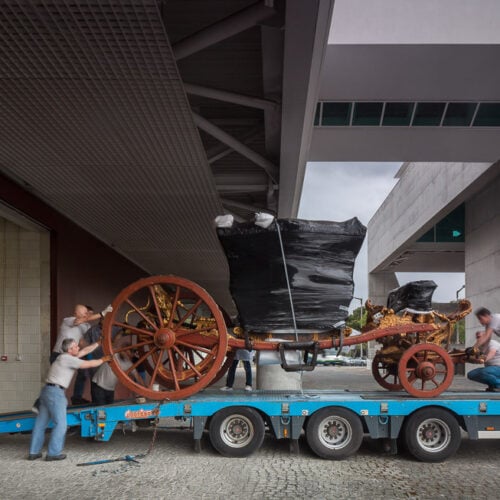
(320, 260)
(415, 295)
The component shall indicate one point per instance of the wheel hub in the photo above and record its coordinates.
(164, 338)
(426, 370)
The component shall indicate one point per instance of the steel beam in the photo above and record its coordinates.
(243, 206)
(241, 188)
(221, 135)
(221, 150)
(232, 97)
(226, 28)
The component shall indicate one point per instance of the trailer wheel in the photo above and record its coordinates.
(334, 433)
(236, 431)
(432, 435)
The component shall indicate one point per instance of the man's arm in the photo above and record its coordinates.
(86, 350)
(94, 363)
(484, 339)
(95, 316)
(490, 354)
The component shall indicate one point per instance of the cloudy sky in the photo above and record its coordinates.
(340, 191)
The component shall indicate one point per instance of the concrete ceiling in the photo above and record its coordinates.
(143, 120)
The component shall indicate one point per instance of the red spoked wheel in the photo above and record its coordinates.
(425, 370)
(386, 374)
(171, 331)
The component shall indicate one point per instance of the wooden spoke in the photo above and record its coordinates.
(183, 355)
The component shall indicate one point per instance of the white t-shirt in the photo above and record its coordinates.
(495, 323)
(61, 371)
(105, 376)
(495, 360)
(68, 330)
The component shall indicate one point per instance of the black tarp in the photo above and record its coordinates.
(320, 260)
(415, 295)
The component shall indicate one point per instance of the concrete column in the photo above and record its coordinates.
(482, 253)
(270, 375)
(379, 286)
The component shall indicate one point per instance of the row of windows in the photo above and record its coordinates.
(405, 114)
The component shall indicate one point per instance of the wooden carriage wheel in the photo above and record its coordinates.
(171, 328)
(386, 374)
(425, 370)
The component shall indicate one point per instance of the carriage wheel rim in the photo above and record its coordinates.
(335, 432)
(237, 431)
(162, 335)
(382, 372)
(433, 435)
(420, 355)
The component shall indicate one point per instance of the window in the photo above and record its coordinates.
(367, 113)
(459, 114)
(336, 113)
(398, 113)
(428, 114)
(449, 229)
(488, 115)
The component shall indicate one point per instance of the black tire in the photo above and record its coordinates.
(237, 431)
(334, 433)
(432, 434)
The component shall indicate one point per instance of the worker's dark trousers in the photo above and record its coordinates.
(232, 372)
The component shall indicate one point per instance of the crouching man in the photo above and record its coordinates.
(53, 400)
(490, 356)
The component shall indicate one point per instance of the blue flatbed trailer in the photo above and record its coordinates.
(334, 422)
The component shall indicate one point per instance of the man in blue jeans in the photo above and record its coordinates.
(490, 374)
(53, 400)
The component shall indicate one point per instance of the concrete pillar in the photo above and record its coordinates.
(482, 253)
(379, 286)
(270, 375)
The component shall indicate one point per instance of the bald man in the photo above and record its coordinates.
(74, 327)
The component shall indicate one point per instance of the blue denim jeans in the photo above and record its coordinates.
(232, 372)
(489, 375)
(53, 405)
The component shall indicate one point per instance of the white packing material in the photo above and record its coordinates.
(224, 221)
(263, 219)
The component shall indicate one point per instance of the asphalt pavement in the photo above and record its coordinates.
(174, 471)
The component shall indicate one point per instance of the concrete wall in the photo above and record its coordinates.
(425, 193)
(482, 252)
(24, 313)
(83, 269)
(47, 265)
(412, 22)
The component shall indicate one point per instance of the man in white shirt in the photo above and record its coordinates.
(74, 327)
(490, 321)
(104, 380)
(53, 400)
(490, 373)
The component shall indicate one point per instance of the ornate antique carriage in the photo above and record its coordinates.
(292, 284)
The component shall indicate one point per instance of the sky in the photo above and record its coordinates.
(339, 191)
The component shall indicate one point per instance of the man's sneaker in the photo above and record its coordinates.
(226, 388)
(248, 388)
(34, 456)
